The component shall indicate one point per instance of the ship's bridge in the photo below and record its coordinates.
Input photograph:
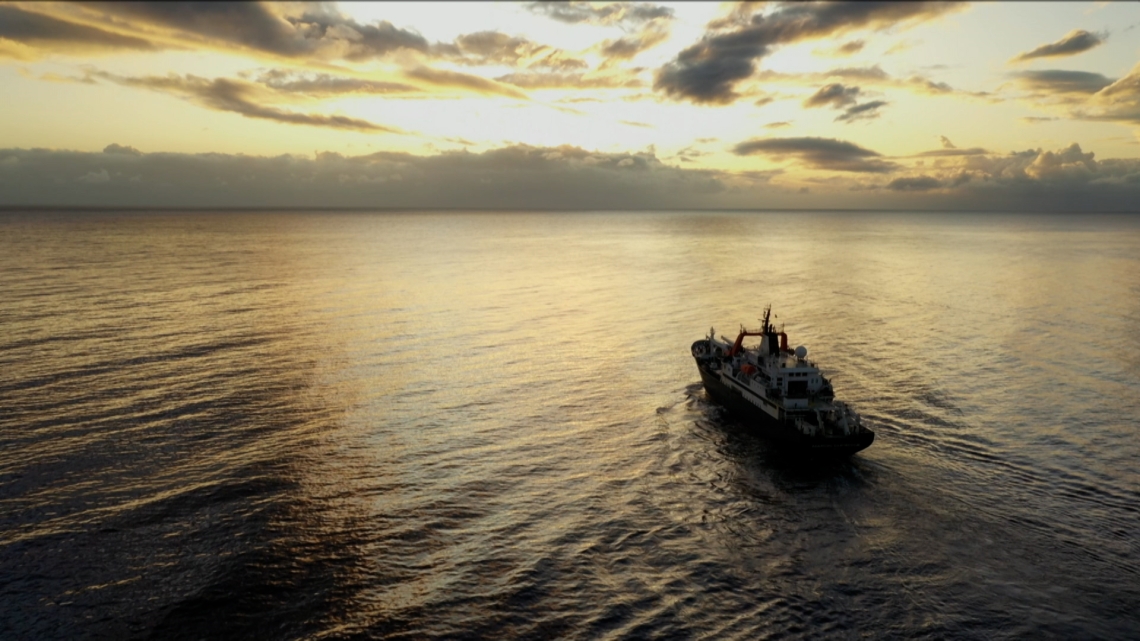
(786, 373)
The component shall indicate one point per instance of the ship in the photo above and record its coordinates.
(779, 392)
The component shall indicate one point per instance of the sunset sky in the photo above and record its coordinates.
(579, 105)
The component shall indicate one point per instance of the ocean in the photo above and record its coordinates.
(411, 425)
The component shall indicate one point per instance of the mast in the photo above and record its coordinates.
(764, 331)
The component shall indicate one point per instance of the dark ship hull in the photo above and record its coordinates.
(780, 431)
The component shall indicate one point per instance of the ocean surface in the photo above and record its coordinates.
(326, 425)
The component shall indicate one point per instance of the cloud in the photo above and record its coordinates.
(1070, 165)
(1063, 164)
(901, 46)
(303, 31)
(778, 125)
(864, 111)
(927, 86)
(1033, 120)
(1118, 102)
(873, 76)
(946, 144)
(297, 30)
(614, 13)
(323, 84)
(1074, 42)
(850, 48)
(708, 71)
(95, 178)
(45, 35)
(739, 14)
(653, 34)
(917, 183)
(649, 24)
(833, 95)
(818, 153)
(236, 96)
(952, 151)
(121, 149)
(865, 74)
(1084, 95)
(555, 80)
(1053, 82)
(839, 96)
(445, 78)
(495, 48)
(270, 86)
(1066, 179)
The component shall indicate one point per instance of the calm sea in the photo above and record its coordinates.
(488, 425)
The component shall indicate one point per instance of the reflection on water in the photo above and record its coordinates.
(385, 425)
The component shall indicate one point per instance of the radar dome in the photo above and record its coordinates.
(801, 352)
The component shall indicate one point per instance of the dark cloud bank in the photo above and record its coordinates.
(515, 177)
(536, 178)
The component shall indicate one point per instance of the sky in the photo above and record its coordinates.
(986, 106)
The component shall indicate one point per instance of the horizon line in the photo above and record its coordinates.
(268, 208)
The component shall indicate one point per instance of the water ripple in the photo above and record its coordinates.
(317, 425)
